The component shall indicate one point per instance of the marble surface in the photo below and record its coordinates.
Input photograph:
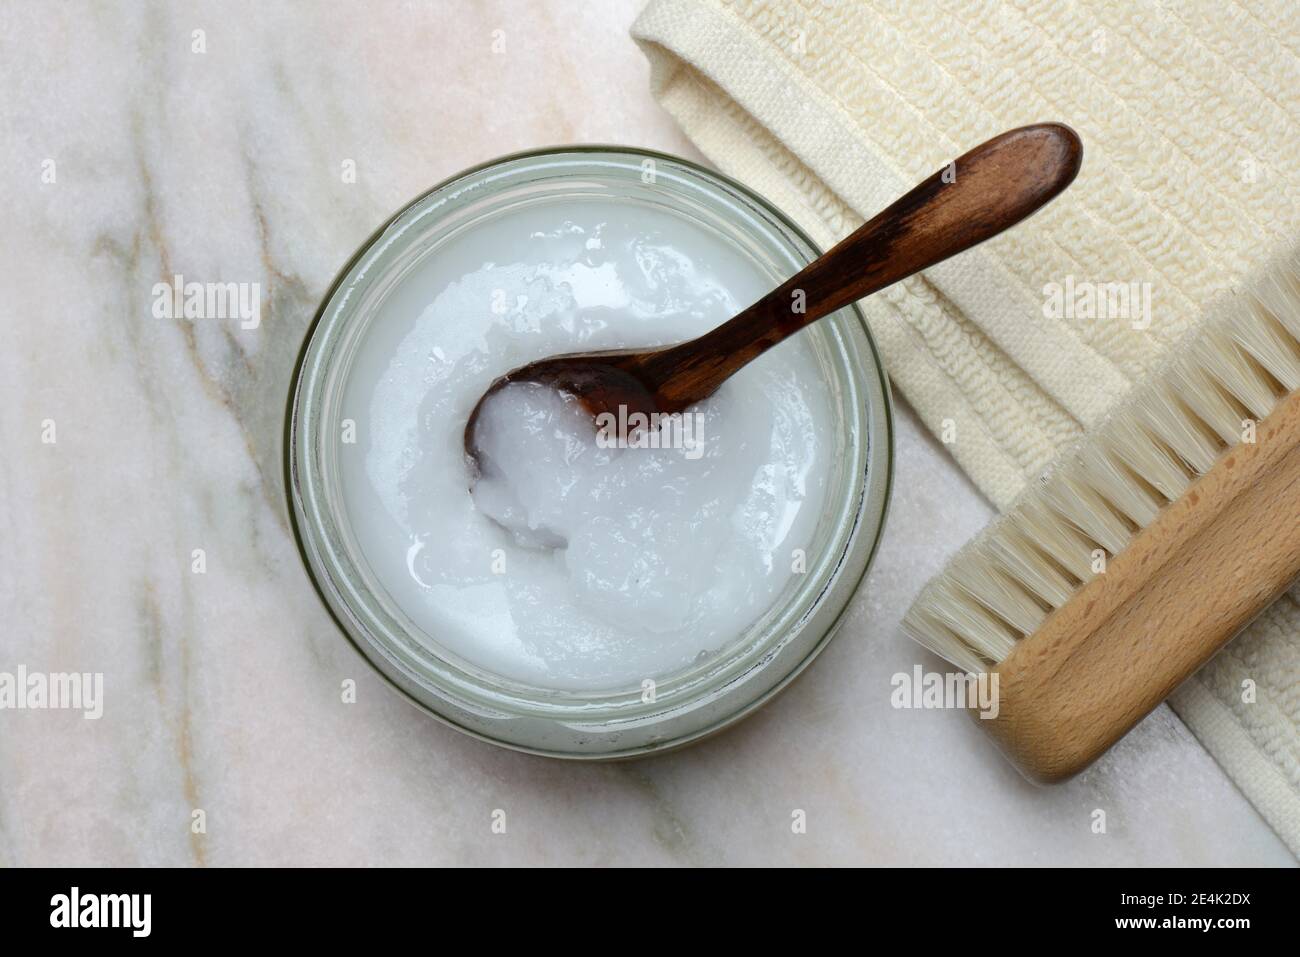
(222, 689)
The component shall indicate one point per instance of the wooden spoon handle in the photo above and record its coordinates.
(989, 189)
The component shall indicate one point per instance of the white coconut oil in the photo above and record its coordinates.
(579, 565)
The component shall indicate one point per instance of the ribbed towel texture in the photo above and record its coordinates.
(1190, 117)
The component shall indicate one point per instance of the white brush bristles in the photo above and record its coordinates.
(1207, 397)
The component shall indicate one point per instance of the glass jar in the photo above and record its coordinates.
(623, 722)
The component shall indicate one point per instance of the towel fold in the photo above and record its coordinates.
(1190, 117)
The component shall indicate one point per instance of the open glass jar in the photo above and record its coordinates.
(635, 718)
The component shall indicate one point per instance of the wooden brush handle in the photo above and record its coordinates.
(1208, 564)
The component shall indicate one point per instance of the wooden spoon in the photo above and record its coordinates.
(989, 189)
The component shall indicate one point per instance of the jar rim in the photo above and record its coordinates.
(875, 486)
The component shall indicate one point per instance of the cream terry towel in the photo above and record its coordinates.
(1190, 117)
